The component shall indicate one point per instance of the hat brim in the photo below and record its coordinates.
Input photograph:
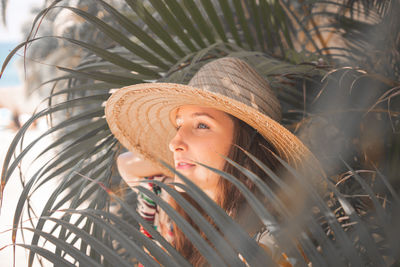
(139, 117)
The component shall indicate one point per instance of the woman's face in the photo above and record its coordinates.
(203, 135)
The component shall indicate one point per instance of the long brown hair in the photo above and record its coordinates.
(229, 196)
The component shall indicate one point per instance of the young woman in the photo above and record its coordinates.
(226, 106)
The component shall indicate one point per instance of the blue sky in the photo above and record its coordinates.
(10, 76)
(18, 13)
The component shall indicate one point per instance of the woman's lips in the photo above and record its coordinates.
(184, 165)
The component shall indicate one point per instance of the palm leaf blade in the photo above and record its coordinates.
(71, 250)
(246, 246)
(204, 248)
(48, 255)
(227, 11)
(110, 254)
(210, 9)
(170, 20)
(243, 23)
(226, 252)
(119, 37)
(199, 20)
(186, 22)
(155, 26)
(138, 33)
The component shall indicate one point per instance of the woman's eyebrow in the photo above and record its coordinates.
(196, 114)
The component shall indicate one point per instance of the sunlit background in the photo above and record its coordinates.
(16, 107)
(20, 14)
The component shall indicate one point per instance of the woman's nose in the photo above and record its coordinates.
(177, 143)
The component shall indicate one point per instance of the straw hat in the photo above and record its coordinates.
(141, 116)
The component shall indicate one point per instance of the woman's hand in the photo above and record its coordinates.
(133, 168)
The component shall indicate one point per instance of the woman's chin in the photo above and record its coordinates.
(178, 180)
(179, 189)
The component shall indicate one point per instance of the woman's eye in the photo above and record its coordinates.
(202, 126)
